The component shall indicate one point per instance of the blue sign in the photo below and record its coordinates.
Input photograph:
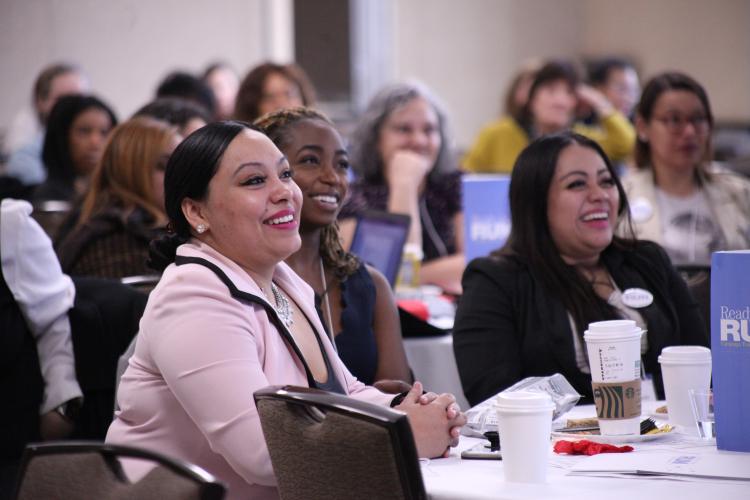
(730, 348)
(486, 213)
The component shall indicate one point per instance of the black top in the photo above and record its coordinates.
(54, 189)
(21, 383)
(509, 327)
(355, 342)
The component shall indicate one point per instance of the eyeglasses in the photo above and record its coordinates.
(676, 124)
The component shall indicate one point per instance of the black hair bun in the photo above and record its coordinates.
(163, 250)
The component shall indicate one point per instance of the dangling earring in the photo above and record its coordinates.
(201, 228)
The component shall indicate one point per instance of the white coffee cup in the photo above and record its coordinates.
(524, 421)
(684, 367)
(614, 350)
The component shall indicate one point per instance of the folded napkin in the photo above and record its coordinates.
(416, 307)
(586, 447)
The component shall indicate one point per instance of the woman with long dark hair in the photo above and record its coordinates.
(525, 307)
(77, 130)
(229, 317)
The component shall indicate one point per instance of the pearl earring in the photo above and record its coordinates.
(201, 228)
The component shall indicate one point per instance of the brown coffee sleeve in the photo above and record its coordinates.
(617, 400)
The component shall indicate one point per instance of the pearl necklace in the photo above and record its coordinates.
(282, 307)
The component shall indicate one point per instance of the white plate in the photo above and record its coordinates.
(611, 439)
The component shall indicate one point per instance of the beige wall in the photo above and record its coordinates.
(126, 46)
(465, 50)
(710, 40)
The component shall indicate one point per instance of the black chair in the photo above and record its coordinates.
(51, 214)
(76, 470)
(143, 283)
(103, 322)
(326, 445)
(11, 187)
(698, 279)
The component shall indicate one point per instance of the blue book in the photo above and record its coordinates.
(486, 213)
(730, 348)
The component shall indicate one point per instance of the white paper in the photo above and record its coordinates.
(718, 465)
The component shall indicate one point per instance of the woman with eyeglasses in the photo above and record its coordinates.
(678, 198)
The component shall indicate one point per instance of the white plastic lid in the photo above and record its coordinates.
(524, 401)
(616, 329)
(685, 355)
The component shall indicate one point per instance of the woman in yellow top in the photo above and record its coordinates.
(550, 108)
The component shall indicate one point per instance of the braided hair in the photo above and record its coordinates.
(278, 127)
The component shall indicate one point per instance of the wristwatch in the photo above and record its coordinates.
(70, 409)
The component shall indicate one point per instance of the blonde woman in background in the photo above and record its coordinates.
(124, 207)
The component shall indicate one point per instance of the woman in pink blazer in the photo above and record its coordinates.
(229, 317)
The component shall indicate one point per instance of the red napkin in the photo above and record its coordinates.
(415, 307)
(586, 447)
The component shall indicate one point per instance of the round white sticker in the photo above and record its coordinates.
(641, 209)
(637, 298)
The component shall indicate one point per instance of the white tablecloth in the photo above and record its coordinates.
(455, 478)
(433, 363)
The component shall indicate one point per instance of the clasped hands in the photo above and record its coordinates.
(436, 421)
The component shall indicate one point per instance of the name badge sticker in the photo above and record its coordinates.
(641, 209)
(637, 298)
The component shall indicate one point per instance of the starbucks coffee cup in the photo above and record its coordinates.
(683, 368)
(614, 350)
(524, 420)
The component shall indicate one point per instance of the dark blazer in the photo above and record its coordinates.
(112, 244)
(509, 326)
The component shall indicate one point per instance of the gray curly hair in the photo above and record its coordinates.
(365, 157)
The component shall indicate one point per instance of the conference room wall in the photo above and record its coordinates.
(128, 46)
(709, 40)
(467, 51)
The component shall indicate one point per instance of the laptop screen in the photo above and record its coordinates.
(379, 241)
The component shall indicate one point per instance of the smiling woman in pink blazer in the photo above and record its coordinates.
(229, 317)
